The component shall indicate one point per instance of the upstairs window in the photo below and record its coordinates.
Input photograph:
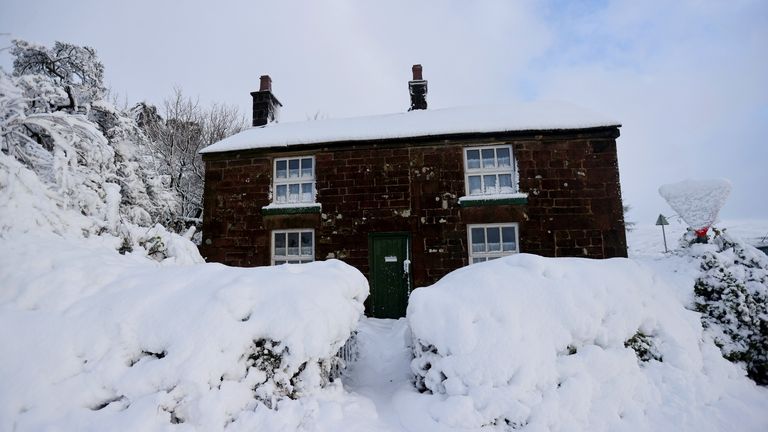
(489, 170)
(293, 246)
(491, 241)
(294, 180)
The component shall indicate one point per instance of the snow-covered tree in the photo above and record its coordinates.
(117, 167)
(177, 136)
(62, 138)
(75, 70)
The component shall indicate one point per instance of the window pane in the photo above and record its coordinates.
(306, 243)
(306, 192)
(281, 169)
(281, 194)
(494, 239)
(488, 158)
(475, 185)
(293, 243)
(293, 168)
(493, 258)
(278, 262)
(502, 157)
(478, 239)
(279, 244)
(473, 159)
(490, 184)
(477, 260)
(293, 192)
(306, 167)
(508, 239)
(505, 183)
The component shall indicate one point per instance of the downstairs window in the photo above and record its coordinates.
(294, 246)
(491, 241)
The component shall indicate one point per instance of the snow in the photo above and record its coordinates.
(698, 202)
(418, 123)
(539, 344)
(93, 340)
(273, 206)
(492, 197)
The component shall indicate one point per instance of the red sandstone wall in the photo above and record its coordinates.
(574, 203)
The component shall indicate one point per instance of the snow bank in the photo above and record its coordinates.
(95, 340)
(417, 123)
(571, 344)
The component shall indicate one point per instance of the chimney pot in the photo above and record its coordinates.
(416, 69)
(265, 83)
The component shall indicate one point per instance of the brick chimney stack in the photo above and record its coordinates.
(417, 87)
(266, 107)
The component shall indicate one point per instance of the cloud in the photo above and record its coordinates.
(687, 79)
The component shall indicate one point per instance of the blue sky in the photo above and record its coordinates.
(687, 79)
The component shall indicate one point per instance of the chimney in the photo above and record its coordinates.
(265, 105)
(418, 89)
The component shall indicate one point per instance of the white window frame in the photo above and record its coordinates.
(487, 256)
(283, 259)
(288, 181)
(494, 171)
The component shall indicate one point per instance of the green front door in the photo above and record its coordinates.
(390, 274)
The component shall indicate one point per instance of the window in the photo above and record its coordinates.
(294, 180)
(487, 242)
(293, 246)
(489, 170)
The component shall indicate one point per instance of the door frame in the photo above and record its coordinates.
(408, 255)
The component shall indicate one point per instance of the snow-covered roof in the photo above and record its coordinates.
(419, 123)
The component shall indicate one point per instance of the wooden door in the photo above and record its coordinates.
(390, 277)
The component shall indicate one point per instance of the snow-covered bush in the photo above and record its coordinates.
(94, 340)
(697, 202)
(732, 295)
(532, 343)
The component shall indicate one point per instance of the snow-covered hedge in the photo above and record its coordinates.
(533, 343)
(732, 295)
(95, 340)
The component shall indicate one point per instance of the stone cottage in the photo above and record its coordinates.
(409, 197)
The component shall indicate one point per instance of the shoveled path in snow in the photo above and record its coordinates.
(383, 367)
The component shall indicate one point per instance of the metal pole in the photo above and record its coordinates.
(663, 233)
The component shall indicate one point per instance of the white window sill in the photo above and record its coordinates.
(494, 197)
(291, 208)
(291, 205)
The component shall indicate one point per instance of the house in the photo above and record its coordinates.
(409, 197)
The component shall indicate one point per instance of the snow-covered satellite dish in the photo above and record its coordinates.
(697, 202)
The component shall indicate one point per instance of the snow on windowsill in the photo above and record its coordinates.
(494, 197)
(290, 205)
(290, 208)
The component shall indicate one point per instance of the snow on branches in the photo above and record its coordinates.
(74, 69)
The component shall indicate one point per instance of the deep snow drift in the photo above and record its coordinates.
(93, 340)
(531, 343)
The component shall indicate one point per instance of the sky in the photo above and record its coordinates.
(687, 79)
